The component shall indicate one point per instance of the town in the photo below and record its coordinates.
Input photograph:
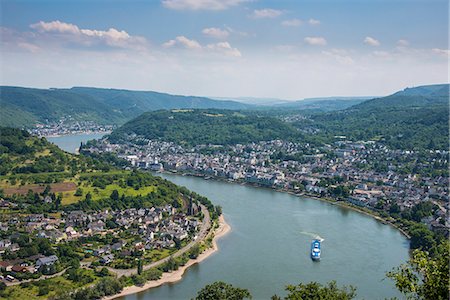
(365, 174)
(117, 239)
(69, 126)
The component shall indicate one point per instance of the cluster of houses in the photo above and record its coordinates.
(134, 230)
(302, 167)
(68, 125)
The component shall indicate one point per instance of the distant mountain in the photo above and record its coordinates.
(308, 104)
(26, 106)
(255, 100)
(413, 118)
(194, 127)
(411, 97)
(324, 104)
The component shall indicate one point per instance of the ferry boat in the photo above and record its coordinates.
(315, 250)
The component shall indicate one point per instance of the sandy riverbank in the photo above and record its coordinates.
(177, 275)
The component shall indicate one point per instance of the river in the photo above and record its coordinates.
(269, 245)
(71, 143)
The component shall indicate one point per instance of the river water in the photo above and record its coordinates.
(269, 245)
(71, 143)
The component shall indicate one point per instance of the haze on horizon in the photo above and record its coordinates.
(228, 48)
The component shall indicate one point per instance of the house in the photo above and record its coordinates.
(19, 269)
(118, 246)
(46, 261)
(106, 259)
(101, 251)
(96, 226)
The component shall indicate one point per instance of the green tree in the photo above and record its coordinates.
(114, 195)
(46, 190)
(314, 290)
(194, 252)
(423, 276)
(222, 291)
(78, 192)
(140, 267)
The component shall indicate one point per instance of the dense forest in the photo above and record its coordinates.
(27, 106)
(194, 127)
(416, 118)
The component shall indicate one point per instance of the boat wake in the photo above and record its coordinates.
(313, 235)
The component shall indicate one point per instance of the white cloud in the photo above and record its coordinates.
(340, 55)
(225, 48)
(382, 54)
(30, 47)
(313, 22)
(371, 41)
(402, 43)
(184, 42)
(55, 26)
(89, 37)
(266, 13)
(216, 33)
(200, 4)
(443, 52)
(292, 22)
(316, 41)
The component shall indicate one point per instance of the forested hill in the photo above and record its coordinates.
(415, 118)
(22, 153)
(26, 106)
(194, 127)
(429, 95)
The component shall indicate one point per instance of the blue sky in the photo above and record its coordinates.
(227, 48)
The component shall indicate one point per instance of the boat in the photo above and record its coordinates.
(315, 250)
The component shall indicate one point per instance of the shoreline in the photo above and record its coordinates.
(341, 204)
(77, 133)
(174, 276)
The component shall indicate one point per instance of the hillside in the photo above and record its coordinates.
(413, 118)
(31, 163)
(26, 106)
(194, 127)
(323, 104)
(421, 96)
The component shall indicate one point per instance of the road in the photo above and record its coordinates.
(201, 235)
(16, 282)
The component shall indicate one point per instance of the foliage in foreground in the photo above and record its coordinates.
(424, 276)
(310, 291)
(220, 290)
(314, 290)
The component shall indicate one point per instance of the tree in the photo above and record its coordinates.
(421, 237)
(88, 196)
(140, 267)
(46, 190)
(220, 290)
(314, 290)
(78, 192)
(424, 276)
(194, 252)
(114, 195)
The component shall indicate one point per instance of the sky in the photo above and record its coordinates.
(227, 48)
